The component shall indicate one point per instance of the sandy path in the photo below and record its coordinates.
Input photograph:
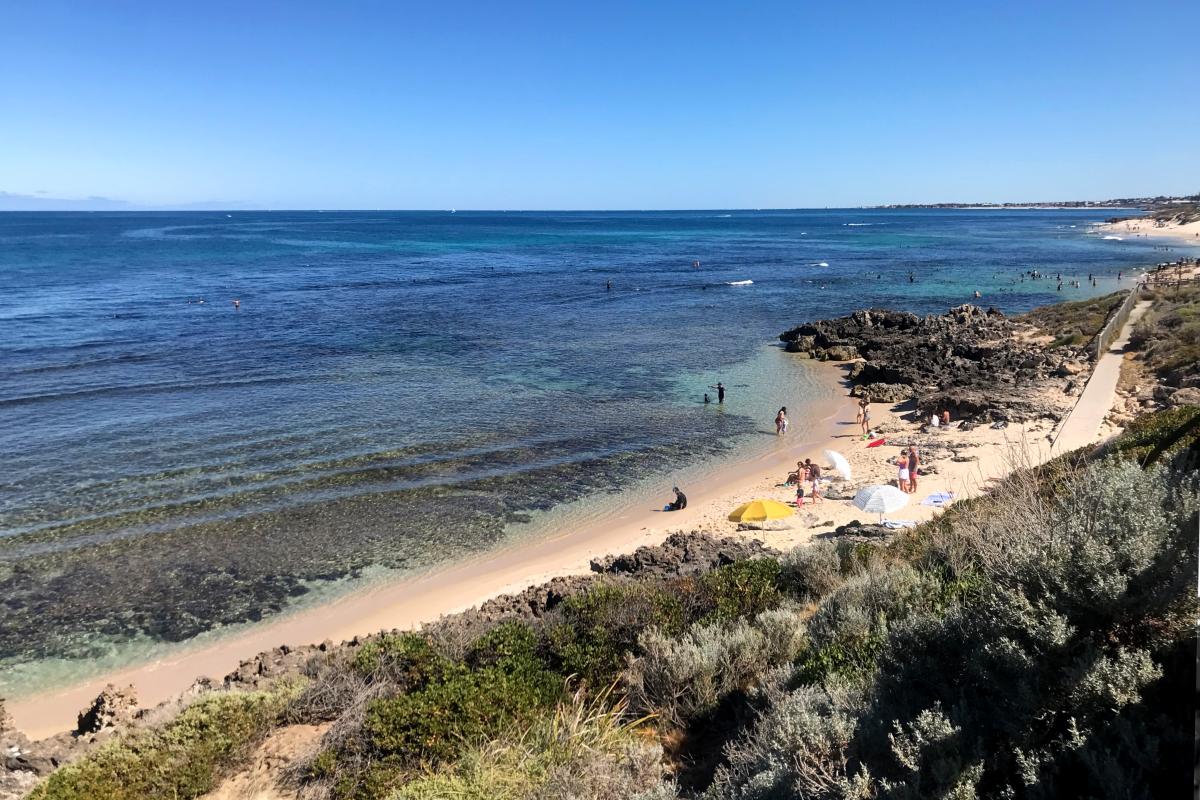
(1084, 425)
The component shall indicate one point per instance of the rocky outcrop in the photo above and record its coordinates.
(111, 708)
(682, 554)
(969, 361)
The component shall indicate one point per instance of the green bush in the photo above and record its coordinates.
(584, 750)
(405, 659)
(184, 759)
(1159, 437)
(464, 705)
(1078, 320)
(598, 627)
(742, 589)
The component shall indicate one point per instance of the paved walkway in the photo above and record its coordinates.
(1083, 425)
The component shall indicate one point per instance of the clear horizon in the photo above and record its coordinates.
(538, 106)
(114, 207)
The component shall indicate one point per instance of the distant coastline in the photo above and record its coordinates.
(1157, 204)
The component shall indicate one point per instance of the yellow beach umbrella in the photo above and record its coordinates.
(760, 511)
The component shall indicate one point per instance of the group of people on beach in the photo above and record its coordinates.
(807, 474)
(863, 418)
(908, 462)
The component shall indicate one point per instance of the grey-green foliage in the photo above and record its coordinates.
(1060, 676)
(928, 749)
(1116, 543)
(811, 571)
(797, 749)
(685, 678)
(863, 606)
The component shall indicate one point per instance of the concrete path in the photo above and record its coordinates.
(1082, 426)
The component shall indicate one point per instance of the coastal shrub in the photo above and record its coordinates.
(510, 643)
(1079, 320)
(1016, 689)
(811, 571)
(742, 589)
(1167, 338)
(685, 678)
(864, 604)
(1161, 437)
(404, 659)
(850, 627)
(386, 664)
(1122, 547)
(593, 630)
(1054, 672)
(184, 759)
(584, 750)
(462, 706)
(798, 748)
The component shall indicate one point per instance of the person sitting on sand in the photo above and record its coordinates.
(680, 501)
(945, 417)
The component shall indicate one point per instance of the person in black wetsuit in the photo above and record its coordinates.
(720, 387)
(680, 500)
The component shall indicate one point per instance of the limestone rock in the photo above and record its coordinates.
(112, 707)
(968, 360)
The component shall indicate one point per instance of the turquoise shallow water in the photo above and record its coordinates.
(400, 389)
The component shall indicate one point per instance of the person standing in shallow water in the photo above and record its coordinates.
(781, 421)
(720, 387)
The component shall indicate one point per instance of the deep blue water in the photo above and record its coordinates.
(398, 388)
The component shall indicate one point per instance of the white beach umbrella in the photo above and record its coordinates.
(839, 463)
(880, 499)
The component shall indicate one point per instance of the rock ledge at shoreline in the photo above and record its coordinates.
(970, 361)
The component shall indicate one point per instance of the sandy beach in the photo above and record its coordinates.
(959, 462)
(1188, 233)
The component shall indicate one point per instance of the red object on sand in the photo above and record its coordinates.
(876, 443)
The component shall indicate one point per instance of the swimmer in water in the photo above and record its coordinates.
(237, 305)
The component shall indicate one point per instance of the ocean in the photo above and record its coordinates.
(397, 390)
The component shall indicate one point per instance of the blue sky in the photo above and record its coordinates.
(602, 105)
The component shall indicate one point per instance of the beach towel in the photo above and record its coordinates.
(896, 524)
(876, 443)
(938, 499)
